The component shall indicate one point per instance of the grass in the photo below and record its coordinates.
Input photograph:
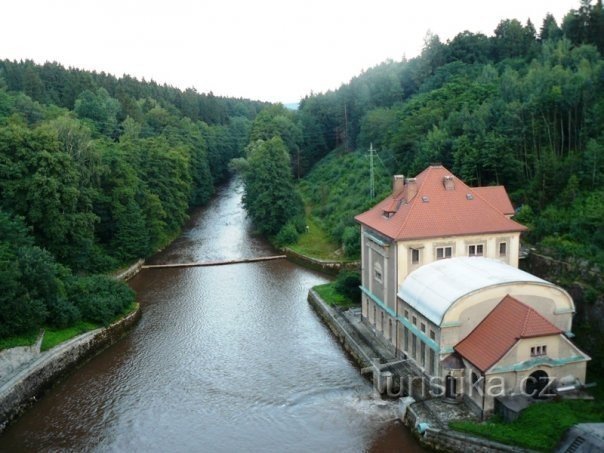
(315, 243)
(332, 297)
(21, 340)
(540, 426)
(54, 337)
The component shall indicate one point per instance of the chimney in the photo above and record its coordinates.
(398, 184)
(448, 182)
(411, 184)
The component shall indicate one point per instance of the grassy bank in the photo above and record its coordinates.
(315, 243)
(332, 297)
(540, 426)
(54, 337)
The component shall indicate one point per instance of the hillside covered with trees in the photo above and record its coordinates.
(523, 108)
(96, 172)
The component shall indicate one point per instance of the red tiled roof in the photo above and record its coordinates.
(508, 322)
(497, 197)
(434, 211)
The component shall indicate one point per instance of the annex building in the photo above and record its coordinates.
(441, 284)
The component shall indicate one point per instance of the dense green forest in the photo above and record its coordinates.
(96, 172)
(522, 108)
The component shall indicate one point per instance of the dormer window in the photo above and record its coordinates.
(425, 199)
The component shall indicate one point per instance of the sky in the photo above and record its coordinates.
(278, 51)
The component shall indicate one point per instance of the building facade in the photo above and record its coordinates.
(438, 259)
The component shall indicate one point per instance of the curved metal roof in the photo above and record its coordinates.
(435, 287)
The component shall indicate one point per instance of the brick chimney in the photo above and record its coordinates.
(411, 185)
(398, 185)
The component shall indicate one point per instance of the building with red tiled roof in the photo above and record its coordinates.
(440, 280)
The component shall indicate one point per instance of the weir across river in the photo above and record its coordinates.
(214, 263)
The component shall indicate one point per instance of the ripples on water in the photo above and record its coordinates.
(227, 358)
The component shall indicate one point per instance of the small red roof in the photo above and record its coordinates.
(508, 322)
(430, 206)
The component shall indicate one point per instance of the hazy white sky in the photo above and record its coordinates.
(261, 49)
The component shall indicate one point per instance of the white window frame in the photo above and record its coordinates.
(443, 249)
(505, 247)
(475, 247)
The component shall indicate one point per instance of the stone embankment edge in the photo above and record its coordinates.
(327, 314)
(436, 439)
(25, 387)
(127, 274)
(454, 441)
(328, 267)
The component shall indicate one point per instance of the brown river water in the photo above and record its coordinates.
(224, 359)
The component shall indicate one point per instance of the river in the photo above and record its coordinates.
(228, 358)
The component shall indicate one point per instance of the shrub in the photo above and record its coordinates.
(100, 298)
(288, 235)
(351, 239)
(347, 283)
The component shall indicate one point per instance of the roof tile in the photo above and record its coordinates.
(430, 210)
(495, 335)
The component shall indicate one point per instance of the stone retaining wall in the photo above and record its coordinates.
(453, 441)
(348, 343)
(329, 267)
(127, 274)
(22, 389)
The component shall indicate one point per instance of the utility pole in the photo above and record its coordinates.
(346, 128)
(371, 173)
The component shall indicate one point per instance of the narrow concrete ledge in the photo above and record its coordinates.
(22, 389)
(329, 267)
(127, 274)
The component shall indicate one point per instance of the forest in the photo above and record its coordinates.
(95, 173)
(522, 108)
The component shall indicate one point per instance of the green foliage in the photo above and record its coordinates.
(540, 426)
(332, 297)
(347, 283)
(314, 242)
(99, 298)
(338, 188)
(96, 172)
(54, 337)
(270, 198)
(287, 235)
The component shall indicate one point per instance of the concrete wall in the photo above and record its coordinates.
(329, 267)
(127, 274)
(21, 390)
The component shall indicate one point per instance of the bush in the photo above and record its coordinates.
(288, 235)
(347, 283)
(351, 239)
(99, 298)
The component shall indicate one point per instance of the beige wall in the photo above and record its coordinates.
(552, 302)
(460, 246)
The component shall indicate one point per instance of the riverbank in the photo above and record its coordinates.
(426, 417)
(42, 369)
(331, 267)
